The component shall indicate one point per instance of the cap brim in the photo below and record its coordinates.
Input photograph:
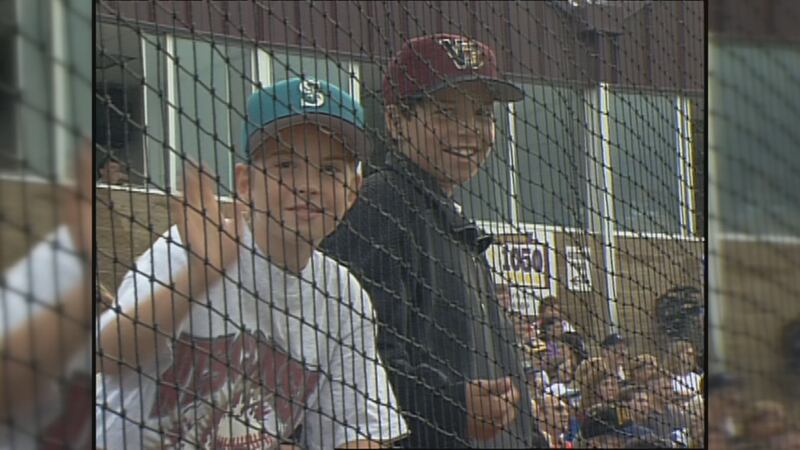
(501, 90)
(353, 138)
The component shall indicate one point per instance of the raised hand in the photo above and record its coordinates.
(210, 239)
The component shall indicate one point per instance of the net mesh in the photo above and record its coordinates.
(420, 223)
(753, 222)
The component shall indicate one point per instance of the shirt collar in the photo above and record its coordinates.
(428, 186)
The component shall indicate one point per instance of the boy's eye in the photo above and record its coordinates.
(331, 169)
(288, 164)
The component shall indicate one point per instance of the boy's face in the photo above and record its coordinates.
(450, 135)
(556, 413)
(608, 389)
(300, 185)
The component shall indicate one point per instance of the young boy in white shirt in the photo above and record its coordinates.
(277, 344)
(45, 339)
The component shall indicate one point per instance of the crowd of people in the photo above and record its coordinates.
(736, 420)
(609, 398)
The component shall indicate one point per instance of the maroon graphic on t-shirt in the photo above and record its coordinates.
(72, 428)
(231, 392)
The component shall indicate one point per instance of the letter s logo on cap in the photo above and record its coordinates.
(464, 53)
(311, 94)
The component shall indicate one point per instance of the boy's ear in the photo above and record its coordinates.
(352, 195)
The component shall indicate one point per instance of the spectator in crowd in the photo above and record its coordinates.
(554, 420)
(667, 418)
(695, 410)
(725, 403)
(608, 426)
(636, 399)
(549, 308)
(765, 423)
(577, 346)
(288, 308)
(685, 381)
(453, 361)
(615, 351)
(110, 171)
(589, 377)
(644, 367)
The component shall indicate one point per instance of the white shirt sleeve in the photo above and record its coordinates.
(50, 270)
(154, 269)
(357, 400)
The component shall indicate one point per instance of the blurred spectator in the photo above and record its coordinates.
(695, 408)
(725, 403)
(577, 345)
(554, 420)
(681, 364)
(667, 418)
(679, 316)
(644, 367)
(636, 399)
(549, 309)
(610, 427)
(765, 422)
(110, 171)
(588, 378)
(45, 327)
(615, 351)
(538, 382)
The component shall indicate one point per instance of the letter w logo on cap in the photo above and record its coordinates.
(311, 94)
(464, 53)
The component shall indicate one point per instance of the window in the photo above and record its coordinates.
(698, 124)
(644, 160)
(118, 102)
(212, 82)
(550, 156)
(756, 138)
(34, 58)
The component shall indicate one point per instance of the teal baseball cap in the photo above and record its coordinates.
(302, 100)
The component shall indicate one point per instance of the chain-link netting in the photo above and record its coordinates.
(754, 224)
(45, 225)
(415, 224)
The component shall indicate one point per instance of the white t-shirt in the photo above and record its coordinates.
(272, 352)
(687, 385)
(62, 410)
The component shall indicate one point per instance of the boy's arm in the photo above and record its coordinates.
(211, 248)
(37, 348)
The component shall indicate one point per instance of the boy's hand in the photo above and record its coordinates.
(198, 218)
(491, 406)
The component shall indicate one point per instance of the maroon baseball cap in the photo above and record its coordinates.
(427, 64)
